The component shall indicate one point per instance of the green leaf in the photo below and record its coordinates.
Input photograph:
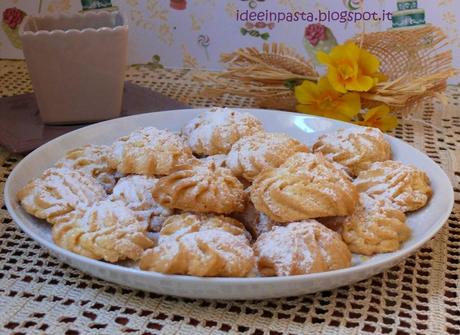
(265, 36)
(292, 83)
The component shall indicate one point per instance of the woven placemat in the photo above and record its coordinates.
(40, 295)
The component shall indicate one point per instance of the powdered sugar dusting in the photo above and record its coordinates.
(200, 251)
(59, 191)
(375, 227)
(92, 160)
(298, 248)
(149, 151)
(354, 148)
(136, 192)
(201, 188)
(218, 160)
(107, 230)
(179, 225)
(252, 154)
(214, 131)
(105, 214)
(404, 186)
(305, 186)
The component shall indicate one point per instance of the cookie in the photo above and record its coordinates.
(300, 248)
(149, 151)
(216, 130)
(354, 148)
(58, 192)
(253, 154)
(306, 186)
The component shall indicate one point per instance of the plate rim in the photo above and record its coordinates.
(382, 264)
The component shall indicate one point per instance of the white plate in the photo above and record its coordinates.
(424, 223)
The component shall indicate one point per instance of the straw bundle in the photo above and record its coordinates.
(416, 62)
(261, 75)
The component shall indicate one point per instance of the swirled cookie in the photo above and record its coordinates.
(136, 193)
(92, 160)
(214, 131)
(306, 186)
(252, 154)
(58, 192)
(178, 225)
(149, 151)
(354, 148)
(375, 227)
(201, 245)
(199, 187)
(300, 248)
(107, 230)
(406, 187)
(209, 253)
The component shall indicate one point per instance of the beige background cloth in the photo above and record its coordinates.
(40, 295)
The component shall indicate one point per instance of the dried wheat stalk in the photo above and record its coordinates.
(258, 74)
(275, 59)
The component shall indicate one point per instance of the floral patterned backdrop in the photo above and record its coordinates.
(194, 33)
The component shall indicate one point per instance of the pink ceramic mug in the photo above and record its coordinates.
(77, 65)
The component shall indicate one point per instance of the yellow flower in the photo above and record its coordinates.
(379, 117)
(321, 99)
(351, 68)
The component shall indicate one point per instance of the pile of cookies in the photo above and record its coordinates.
(223, 197)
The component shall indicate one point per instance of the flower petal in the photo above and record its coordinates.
(369, 115)
(368, 63)
(306, 92)
(325, 86)
(335, 80)
(389, 122)
(351, 104)
(338, 116)
(380, 117)
(351, 68)
(323, 57)
(351, 50)
(307, 109)
(361, 84)
(379, 111)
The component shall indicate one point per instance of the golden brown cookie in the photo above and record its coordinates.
(306, 186)
(201, 245)
(108, 230)
(208, 253)
(199, 187)
(300, 248)
(375, 228)
(253, 154)
(354, 148)
(178, 225)
(216, 130)
(92, 160)
(149, 151)
(136, 193)
(58, 192)
(406, 187)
